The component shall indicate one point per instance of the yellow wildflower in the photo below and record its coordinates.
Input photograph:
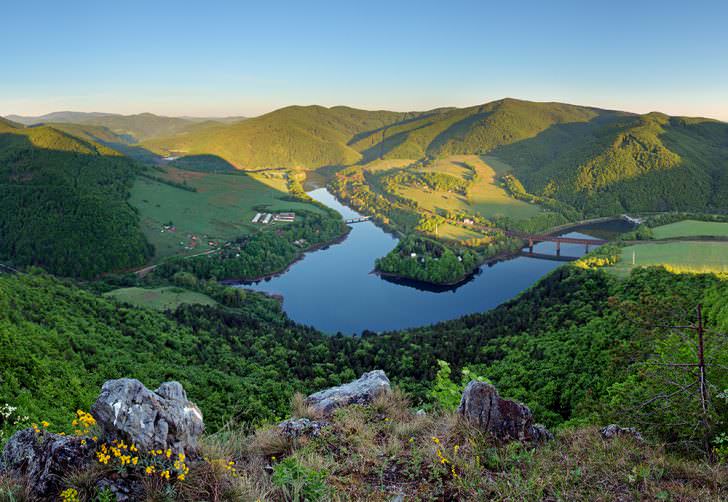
(435, 440)
(44, 423)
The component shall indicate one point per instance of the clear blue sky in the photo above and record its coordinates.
(246, 58)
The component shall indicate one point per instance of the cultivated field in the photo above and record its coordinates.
(168, 298)
(691, 228)
(678, 256)
(220, 209)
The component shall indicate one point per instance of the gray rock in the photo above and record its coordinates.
(163, 419)
(482, 407)
(302, 427)
(421, 413)
(361, 391)
(613, 430)
(123, 490)
(44, 459)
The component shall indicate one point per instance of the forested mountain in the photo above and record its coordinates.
(599, 161)
(132, 128)
(63, 203)
(345, 135)
(296, 136)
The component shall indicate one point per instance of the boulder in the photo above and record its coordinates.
(301, 427)
(44, 459)
(613, 430)
(122, 489)
(361, 391)
(163, 419)
(482, 407)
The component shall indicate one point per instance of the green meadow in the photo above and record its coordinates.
(485, 195)
(167, 298)
(220, 209)
(688, 256)
(691, 228)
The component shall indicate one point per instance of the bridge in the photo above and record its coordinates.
(357, 220)
(533, 239)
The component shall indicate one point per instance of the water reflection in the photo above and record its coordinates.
(335, 290)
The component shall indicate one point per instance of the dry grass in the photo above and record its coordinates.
(301, 409)
(379, 451)
(13, 490)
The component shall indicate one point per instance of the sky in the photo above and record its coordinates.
(217, 58)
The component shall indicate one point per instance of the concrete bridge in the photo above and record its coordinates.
(533, 239)
(357, 220)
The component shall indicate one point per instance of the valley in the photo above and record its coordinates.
(494, 244)
(369, 252)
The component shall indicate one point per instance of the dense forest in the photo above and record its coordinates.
(63, 204)
(428, 261)
(573, 348)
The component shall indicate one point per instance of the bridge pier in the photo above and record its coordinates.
(587, 248)
(558, 248)
(530, 245)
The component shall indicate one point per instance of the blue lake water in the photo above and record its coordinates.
(334, 290)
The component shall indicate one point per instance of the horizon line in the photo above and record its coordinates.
(244, 116)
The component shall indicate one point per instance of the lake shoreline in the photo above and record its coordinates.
(322, 245)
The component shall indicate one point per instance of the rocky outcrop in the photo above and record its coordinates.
(361, 391)
(44, 459)
(482, 407)
(613, 430)
(125, 409)
(164, 419)
(295, 428)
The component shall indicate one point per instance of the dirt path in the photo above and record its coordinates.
(144, 271)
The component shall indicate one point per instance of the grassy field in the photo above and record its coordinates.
(168, 298)
(221, 209)
(485, 196)
(678, 256)
(691, 228)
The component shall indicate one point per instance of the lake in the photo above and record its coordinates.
(334, 290)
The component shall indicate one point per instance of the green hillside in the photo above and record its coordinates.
(63, 203)
(598, 161)
(134, 128)
(122, 143)
(297, 136)
(9, 123)
(571, 348)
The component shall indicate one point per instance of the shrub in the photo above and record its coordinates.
(299, 482)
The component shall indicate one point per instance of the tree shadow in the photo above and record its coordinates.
(63, 206)
(205, 163)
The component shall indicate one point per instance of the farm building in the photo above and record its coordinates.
(285, 217)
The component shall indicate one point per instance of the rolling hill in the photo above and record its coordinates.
(130, 128)
(63, 203)
(297, 136)
(599, 161)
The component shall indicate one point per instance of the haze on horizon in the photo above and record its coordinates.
(227, 59)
